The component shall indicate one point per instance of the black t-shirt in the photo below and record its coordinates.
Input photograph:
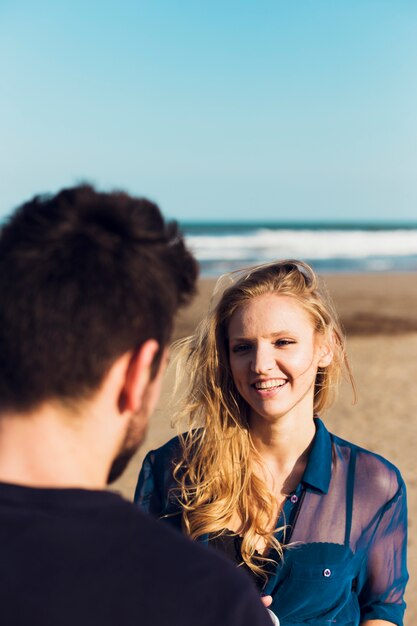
(74, 557)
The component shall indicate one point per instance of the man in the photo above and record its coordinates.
(89, 286)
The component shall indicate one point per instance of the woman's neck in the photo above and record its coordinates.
(284, 446)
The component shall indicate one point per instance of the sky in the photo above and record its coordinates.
(218, 110)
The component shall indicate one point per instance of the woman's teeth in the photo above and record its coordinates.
(269, 384)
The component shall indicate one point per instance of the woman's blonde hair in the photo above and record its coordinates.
(215, 476)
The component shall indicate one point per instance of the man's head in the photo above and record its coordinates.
(85, 277)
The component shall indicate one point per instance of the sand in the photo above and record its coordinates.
(379, 313)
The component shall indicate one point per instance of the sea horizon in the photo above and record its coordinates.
(329, 246)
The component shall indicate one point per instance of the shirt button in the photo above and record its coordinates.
(294, 498)
(327, 573)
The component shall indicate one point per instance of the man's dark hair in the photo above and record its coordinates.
(84, 278)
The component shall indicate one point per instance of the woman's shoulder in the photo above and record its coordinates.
(165, 453)
(372, 470)
(172, 449)
(156, 478)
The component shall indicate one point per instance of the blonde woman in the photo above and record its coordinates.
(318, 522)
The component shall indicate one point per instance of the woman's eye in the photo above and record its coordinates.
(284, 342)
(241, 348)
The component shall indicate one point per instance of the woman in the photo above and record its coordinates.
(319, 522)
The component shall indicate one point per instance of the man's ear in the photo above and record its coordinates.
(138, 376)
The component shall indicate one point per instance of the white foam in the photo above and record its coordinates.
(265, 245)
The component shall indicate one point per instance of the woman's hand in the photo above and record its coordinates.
(376, 622)
(267, 601)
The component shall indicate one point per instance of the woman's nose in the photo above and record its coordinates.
(263, 360)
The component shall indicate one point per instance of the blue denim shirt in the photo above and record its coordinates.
(346, 533)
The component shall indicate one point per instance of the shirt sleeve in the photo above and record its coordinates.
(156, 487)
(383, 575)
(147, 494)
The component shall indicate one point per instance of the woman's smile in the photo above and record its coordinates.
(269, 386)
(268, 390)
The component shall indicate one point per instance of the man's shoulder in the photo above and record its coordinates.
(117, 559)
(164, 545)
(206, 582)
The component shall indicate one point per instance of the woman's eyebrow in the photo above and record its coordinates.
(278, 333)
(242, 338)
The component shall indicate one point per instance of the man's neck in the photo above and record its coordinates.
(51, 448)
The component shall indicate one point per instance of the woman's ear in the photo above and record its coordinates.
(326, 354)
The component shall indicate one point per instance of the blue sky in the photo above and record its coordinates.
(227, 110)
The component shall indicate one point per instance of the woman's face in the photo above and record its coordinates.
(274, 355)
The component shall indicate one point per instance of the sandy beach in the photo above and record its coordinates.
(379, 313)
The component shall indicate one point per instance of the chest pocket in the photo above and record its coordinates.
(316, 584)
(318, 591)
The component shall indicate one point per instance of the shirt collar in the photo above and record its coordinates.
(319, 465)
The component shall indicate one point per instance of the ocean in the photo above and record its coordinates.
(328, 247)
